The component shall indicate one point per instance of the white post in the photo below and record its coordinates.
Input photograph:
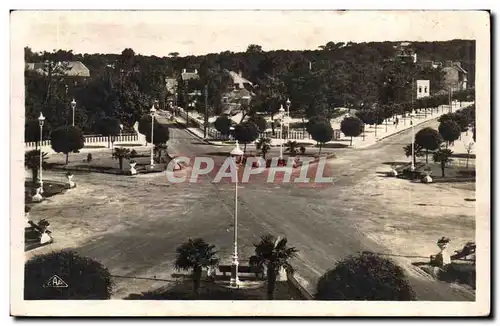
(281, 137)
(412, 143)
(234, 274)
(41, 159)
(152, 143)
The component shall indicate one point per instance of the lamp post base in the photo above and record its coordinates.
(234, 282)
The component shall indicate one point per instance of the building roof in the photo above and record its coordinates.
(74, 68)
(239, 79)
(455, 66)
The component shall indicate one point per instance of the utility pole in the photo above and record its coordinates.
(205, 125)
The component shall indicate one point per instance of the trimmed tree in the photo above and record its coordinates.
(86, 278)
(351, 127)
(121, 153)
(313, 121)
(195, 255)
(365, 277)
(260, 122)
(223, 125)
(246, 133)
(67, 139)
(322, 132)
(429, 139)
(32, 162)
(263, 145)
(274, 253)
(462, 120)
(161, 134)
(108, 127)
(443, 156)
(449, 130)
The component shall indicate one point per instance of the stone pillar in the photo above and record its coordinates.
(443, 258)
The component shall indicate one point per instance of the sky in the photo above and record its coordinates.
(200, 32)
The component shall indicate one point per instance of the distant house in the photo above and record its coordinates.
(455, 77)
(188, 75)
(69, 69)
(238, 92)
(405, 52)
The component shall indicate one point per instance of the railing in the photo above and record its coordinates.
(90, 140)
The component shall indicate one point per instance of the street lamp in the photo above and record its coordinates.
(281, 111)
(121, 130)
(152, 111)
(412, 114)
(288, 103)
(41, 120)
(236, 155)
(73, 106)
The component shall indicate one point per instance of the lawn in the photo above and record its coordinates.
(103, 162)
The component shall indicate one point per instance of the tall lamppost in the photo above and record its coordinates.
(41, 120)
(412, 140)
(236, 155)
(281, 111)
(288, 103)
(121, 130)
(152, 111)
(73, 106)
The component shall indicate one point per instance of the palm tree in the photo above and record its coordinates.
(291, 147)
(264, 145)
(443, 156)
(274, 254)
(417, 151)
(121, 153)
(195, 255)
(32, 162)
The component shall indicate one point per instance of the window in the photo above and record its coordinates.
(420, 89)
(425, 89)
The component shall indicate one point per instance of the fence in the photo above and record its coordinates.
(91, 140)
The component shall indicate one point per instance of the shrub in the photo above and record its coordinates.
(223, 125)
(321, 132)
(302, 150)
(351, 127)
(86, 278)
(449, 130)
(245, 133)
(365, 277)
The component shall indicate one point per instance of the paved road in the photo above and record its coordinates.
(143, 219)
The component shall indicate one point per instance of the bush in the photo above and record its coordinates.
(223, 125)
(302, 150)
(133, 153)
(449, 130)
(365, 277)
(87, 279)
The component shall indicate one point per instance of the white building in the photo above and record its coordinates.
(423, 88)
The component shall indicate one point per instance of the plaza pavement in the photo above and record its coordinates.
(133, 224)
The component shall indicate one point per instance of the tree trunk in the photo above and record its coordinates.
(196, 280)
(442, 168)
(426, 156)
(245, 148)
(467, 161)
(120, 162)
(320, 144)
(271, 281)
(67, 158)
(34, 175)
(351, 141)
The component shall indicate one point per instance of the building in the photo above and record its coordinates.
(238, 92)
(455, 77)
(70, 69)
(423, 88)
(405, 52)
(188, 75)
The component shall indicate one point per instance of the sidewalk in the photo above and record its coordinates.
(357, 142)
